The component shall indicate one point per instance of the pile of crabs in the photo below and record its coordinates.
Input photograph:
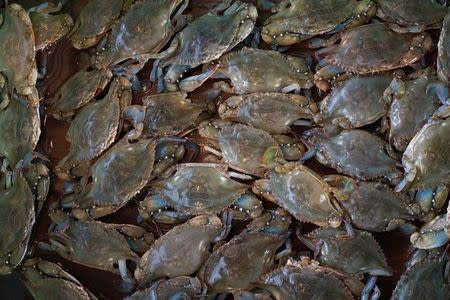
(235, 171)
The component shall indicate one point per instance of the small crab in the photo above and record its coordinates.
(426, 277)
(164, 114)
(355, 102)
(255, 70)
(412, 15)
(272, 112)
(353, 152)
(112, 244)
(49, 27)
(303, 193)
(70, 97)
(182, 287)
(443, 60)
(95, 128)
(17, 216)
(94, 20)
(240, 262)
(117, 176)
(16, 36)
(434, 233)
(305, 278)
(200, 188)
(141, 32)
(426, 157)
(20, 126)
(43, 278)
(246, 149)
(297, 20)
(354, 256)
(413, 102)
(373, 48)
(374, 206)
(185, 248)
(217, 34)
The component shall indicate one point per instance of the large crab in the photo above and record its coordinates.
(426, 157)
(199, 188)
(373, 48)
(256, 70)
(77, 241)
(117, 176)
(303, 193)
(297, 20)
(272, 112)
(240, 262)
(20, 126)
(412, 15)
(355, 102)
(70, 97)
(433, 266)
(353, 152)
(216, 34)
(16, 36)
(354, 256)
(185, 248)
(43, 278)
(94, 20)
(95, 128)
(140, 33)
(413, 101)
(17, 216)
(249, 150)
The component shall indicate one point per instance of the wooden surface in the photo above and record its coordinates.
(63, 61)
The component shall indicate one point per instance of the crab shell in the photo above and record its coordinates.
(95, 19)
(302, 192)
(241, 261)
(95, 127)
(374, 48)
(427, 156)
(199, 189)
(145, 28)
(99, 245)
(17, 217)
(20, 129)
(217, 35)
(17, 36)
(43, 278)
(374, 206)
(70, 97)
(301, 279)
(48, 28)
(272, 112)
(255, 70)
(412, 12)
(413, 286)
(443, 61)
(354, 152)
(356, 102)
(410, 110)
(181, 251)
(306, 18)
(116, 177)
(354, 256)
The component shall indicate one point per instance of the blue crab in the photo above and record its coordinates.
(216, 33)
(272, 112)
(247, 256)
(297, 20)
(43, 278)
